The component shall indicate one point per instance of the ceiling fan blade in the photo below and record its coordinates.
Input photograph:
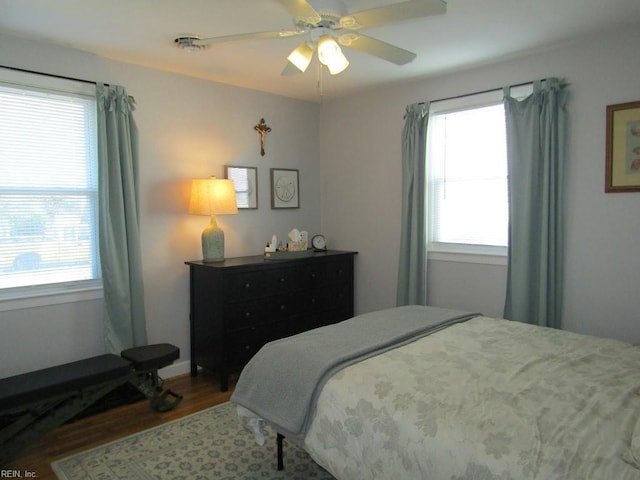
(377, 48)
(395, 12)
(301, 8)
(247, 36)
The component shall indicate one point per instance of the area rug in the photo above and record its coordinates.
(208, 445)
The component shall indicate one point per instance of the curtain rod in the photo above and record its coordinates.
(62, 77)
(455, 97)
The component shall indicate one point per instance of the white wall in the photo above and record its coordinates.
(350, 189)
(361, 189)
(188, 128)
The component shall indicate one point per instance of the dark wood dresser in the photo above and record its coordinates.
(242, 303)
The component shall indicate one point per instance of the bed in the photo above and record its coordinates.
(454, 395)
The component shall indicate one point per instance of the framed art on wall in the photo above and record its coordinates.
(623, 148)
(245, 180)
(285, 190)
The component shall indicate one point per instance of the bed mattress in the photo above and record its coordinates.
(484, 399)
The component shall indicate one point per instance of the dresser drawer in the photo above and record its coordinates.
(261, 311)
(241, 345)
(328, 298)
(281, 280)
(245, 314)
(322, 274)
(255, 284)
(245, 285)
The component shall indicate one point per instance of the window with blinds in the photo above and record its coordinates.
(467, 175)
(48, 182)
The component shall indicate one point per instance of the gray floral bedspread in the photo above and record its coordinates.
(485, 399)
(281, 382)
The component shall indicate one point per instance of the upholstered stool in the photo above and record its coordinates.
(146, 361)
(151, 357)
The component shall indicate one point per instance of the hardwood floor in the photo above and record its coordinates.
(199, 393)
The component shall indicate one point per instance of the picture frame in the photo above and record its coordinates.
(285, 188)
(622, 172)
(245, 180)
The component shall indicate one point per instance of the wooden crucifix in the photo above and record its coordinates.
(262, 128)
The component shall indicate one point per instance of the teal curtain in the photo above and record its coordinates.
(118, 217)
(536, 155)
(412, 269)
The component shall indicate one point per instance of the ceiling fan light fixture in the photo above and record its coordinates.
(328, 49)
(338, 65)
(330, 54)
(301, 56)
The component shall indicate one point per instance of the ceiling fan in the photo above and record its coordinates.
(326, 23)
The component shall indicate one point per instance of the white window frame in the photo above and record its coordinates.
(471, 253)
(63, 292)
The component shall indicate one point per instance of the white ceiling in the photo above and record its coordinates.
(472, 32)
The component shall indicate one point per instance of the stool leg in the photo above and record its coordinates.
(279, 439)
(224, 381)
(150, 384)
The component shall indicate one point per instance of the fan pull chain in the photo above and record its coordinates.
(320, 85)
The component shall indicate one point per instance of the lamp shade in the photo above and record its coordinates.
(301, 56)
(330, 54)
(212, 196)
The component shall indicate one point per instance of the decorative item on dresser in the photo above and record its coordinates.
(242, 303)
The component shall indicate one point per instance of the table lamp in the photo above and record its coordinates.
(212, 196)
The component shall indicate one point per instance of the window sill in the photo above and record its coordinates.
(50, 295)
(461, 256)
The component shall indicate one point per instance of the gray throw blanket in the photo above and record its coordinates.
(281, 382)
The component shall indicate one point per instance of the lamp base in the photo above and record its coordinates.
(213, 242)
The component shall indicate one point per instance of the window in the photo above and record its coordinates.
(48, 184)
(468, 203)
(467, 169)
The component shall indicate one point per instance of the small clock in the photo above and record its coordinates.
(318, 242)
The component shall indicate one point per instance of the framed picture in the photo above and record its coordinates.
(623, 148)
(245, 180)
(285, 190)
